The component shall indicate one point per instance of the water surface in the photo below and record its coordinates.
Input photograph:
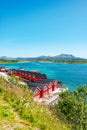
(72, 75)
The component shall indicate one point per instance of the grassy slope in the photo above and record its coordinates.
(19, 112)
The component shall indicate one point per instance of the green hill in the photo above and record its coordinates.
(18, 111)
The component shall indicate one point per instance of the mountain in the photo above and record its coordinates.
(43, 57)
(6, 58)
(65, 56)
(57, 57)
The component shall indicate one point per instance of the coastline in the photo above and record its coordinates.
(71, 75)
(44, 61)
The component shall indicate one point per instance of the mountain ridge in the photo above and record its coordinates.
(43, 57)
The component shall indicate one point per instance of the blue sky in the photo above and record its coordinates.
(43, 27)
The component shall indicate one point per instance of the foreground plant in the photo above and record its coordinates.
(72, 107)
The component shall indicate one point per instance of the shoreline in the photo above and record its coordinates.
(59, 62)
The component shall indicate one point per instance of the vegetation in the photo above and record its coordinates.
(2, 61)
(72, 107)
(67, 61)
(18, 111)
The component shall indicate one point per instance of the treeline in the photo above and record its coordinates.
(55, 61)
(2, 61)
(64, 61)
(72, 61)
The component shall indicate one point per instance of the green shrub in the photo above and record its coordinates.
(73, 108)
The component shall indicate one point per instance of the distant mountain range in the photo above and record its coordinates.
(57, 57)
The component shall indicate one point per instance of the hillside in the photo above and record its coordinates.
(19, 112)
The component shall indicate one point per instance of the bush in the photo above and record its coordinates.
(73, 108)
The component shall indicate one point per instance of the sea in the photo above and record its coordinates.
(71, 75)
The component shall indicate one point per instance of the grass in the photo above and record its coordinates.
(8, 118)
(19, 112)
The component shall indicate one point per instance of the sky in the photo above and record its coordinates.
(30, 28)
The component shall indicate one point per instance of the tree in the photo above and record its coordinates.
(73, 108)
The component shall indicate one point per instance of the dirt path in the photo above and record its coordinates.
(11, 121)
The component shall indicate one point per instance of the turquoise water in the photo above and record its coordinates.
(72, 75)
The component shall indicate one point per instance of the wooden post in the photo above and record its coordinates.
(41, 94)
(53, 87)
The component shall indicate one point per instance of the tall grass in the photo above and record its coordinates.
(21, 100)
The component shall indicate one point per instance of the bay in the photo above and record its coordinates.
(72, 75)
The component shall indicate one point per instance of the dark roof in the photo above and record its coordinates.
(41, 84)
(45, 81)
(36, 74)
(33, 86)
